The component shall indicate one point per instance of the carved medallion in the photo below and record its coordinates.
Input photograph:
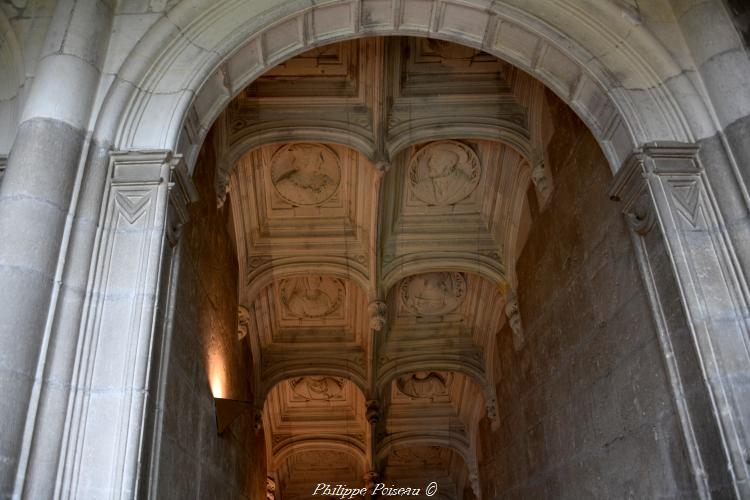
(305, 174)
(433, 294)
(424, 455)
(444, 173)
(321, 460)
(318, 388)
(311, 297)
(425, 385)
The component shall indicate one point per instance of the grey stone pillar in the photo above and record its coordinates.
(35, 198)
(143, 212)
(700, 303)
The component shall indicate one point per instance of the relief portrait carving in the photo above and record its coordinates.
(318, 388)
(433, 294)
(311, 297)
(424, 385)
(444, 173)
(424, 455)
(305, 174)
(321, 460)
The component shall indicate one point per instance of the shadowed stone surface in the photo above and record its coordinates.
(585, 407)
(196, 462)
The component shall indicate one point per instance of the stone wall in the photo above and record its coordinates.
(585, 407)
(194, 461)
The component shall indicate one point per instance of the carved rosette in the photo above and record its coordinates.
(311, 297)
(444, 173)
(433, 294)
(305, 174)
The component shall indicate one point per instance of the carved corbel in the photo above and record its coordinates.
(630, 188)
(513, 314)
(221, 182)
(243, 322)
(270, 488)
(492, 409)
(371, 478)
(476, 486)
(541, 177)
(182, 192)
(377, 310)
(257, 419)
(373, 411)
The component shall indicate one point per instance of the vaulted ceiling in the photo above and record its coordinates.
(381, 191)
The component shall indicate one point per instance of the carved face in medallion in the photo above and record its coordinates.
(444, 173)
(305, 174)
(318, 388)
(424, 455)
(311, 297)
(424, 385)
(433, 294)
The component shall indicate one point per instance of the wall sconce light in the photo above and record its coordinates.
(227, 410)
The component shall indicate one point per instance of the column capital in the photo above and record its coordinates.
(149, 167)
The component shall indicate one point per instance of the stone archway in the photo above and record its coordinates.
(215, 49)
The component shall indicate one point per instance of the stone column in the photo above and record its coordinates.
(700, 303)
(143, 212)
(35, 199)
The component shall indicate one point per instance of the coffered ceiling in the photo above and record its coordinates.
(381, 192)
